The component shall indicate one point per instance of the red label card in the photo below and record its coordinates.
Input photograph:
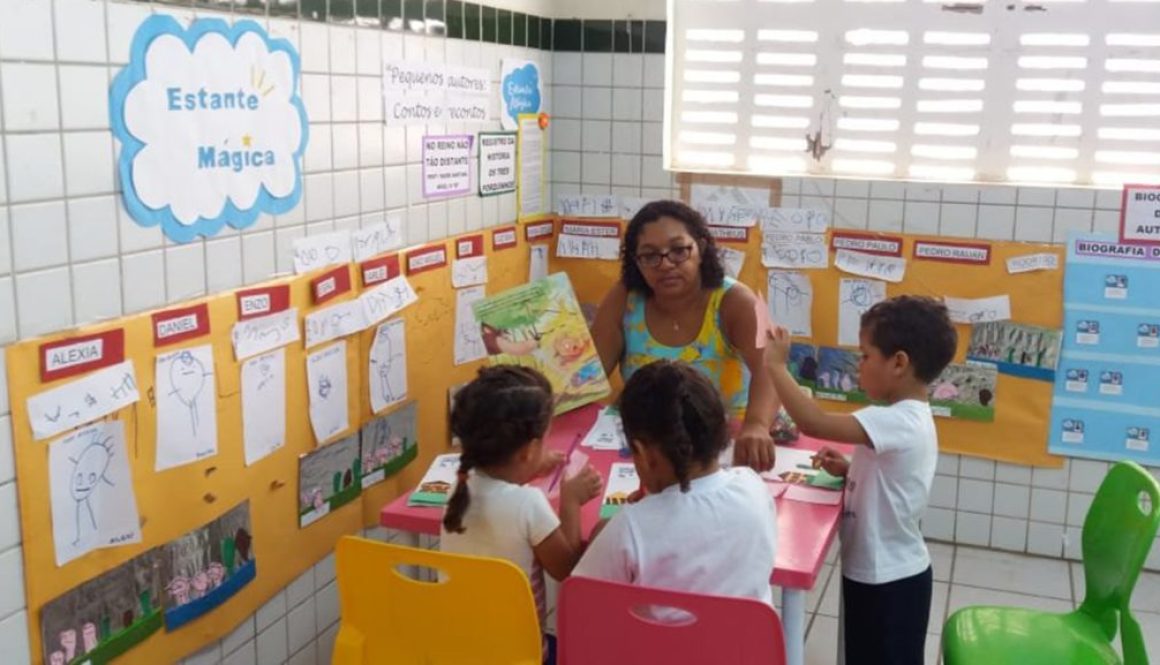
(867, 243)
(426, 258)
(379, 270)
(538, 231)
(504, 238)
(330, 284)
(253, 303)
(953, 252)
(77, 355)
(590, 229)
(177, 325)
(738, 234)
(469, 246)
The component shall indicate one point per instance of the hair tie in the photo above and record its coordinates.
(461, 476)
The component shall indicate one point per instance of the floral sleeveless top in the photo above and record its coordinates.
(710, 352)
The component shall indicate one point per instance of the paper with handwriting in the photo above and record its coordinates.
(377, 238)
(794, 250)
(855, 296)
(538, 265)
(468, 339)
(886, 268)
(263, 405)
(733, 259)
(83, 400)
(265, 333)
(587, 205)
(1032, 262)
(326, 379)
(569, 246)
(978, 310)
(630, 205)
(186, 395)
(791, 301)
(386, 299)
(387, 371)
(91, 490)
(320, 251)
(469, 272)
(340, 320)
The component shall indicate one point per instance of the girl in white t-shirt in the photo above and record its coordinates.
(500, 419)
(906, 342)
(698, 528)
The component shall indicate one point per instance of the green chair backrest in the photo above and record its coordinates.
(1117, 534)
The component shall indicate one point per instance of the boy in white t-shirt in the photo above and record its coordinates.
(906, 342)
(698, 528)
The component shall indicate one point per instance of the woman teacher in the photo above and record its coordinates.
(673, 301)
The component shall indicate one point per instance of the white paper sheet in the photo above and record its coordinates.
(531, 157)
(570, 246)
(320, 251)
(794, 250)
(794, 220)
(93, 503)
(538, 266)
(84, 400)
(729, 194)
(339, 320)
(377, 239)
(327, 382)
(607, 432)
(386, 299)
(855, 296)
(263, 405)
(468, 341)
(630, 205)
(186, 394)
(791, 301)
(979, 310)
(265, 333)
(387, 371)
(587, 205)
(888, 268)
(1031, 262)
(733, 259)
(469, 272)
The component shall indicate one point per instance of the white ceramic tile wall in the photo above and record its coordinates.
(973, 502)
(69, 254)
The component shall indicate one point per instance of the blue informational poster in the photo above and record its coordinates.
(1107, 389)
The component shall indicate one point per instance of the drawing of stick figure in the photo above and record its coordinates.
(187, 378)
(860, 295)
(89, 469)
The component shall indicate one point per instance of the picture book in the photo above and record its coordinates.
(541, 325)
(796, 467)
(435, 487)
(622, 482)
(607, 432)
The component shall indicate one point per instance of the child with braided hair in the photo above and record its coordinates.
(698, 528)
(501, 419)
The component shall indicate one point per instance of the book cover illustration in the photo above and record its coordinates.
(541, 325)
(435, 487)
(622, 482)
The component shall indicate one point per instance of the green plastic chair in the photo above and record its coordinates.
(1117, 534)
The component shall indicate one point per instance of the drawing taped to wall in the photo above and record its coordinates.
(186, 395)
(965, 391)
(1016, 348)
(206, 566)
(328, 477)
(389, 443)
(838, 375)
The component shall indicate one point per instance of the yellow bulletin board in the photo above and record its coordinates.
(1019, 431)
(176, 501)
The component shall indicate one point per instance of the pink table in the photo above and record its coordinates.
(804, 531)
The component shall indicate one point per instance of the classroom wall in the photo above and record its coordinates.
(607, 133)
(69, 255)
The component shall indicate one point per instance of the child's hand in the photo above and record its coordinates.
(777, 349)
(550, 460)
(832, 461)
(582, 487)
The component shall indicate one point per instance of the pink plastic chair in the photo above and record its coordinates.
(607, 623)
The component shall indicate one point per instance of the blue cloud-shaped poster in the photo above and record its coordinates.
(520, 91)
(211, 125)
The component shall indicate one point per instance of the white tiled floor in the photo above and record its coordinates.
(971, 576)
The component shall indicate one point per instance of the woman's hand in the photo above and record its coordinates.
(832, 461)
(753, 447)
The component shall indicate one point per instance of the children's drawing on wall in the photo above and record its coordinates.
(328, 477)
(389, 443)
(468, 343)
(791, 301)
(803, 364)
(854, 298)
(263, 405)
(326, 380)
(93, 502)
(838, 375)
(106, 616)
(541, 325)
(1018, 349)
(965, 391)
(186, 397)
(387, 375)
(206, 566)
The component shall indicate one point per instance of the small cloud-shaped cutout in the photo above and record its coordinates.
(211, 124)
(521, 91)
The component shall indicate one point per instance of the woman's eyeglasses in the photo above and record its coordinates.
(675, 255)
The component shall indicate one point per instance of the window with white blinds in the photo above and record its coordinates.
(1050, 91)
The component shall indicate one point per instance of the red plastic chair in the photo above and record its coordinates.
(607, 623)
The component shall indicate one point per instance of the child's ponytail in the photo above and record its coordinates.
(459, 501)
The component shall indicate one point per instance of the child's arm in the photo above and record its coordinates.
(559, 552)
(810, 418)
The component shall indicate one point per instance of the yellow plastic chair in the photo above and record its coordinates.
(482, 613)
